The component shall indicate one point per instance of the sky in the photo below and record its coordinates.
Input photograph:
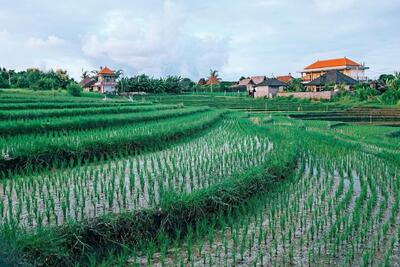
(190, 37)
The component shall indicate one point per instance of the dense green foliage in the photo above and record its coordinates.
(295, 85)
(385, 90)
(74, 89)
(34, 79)
(144, 83)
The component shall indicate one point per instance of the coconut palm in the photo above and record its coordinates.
(85, 74)
(214, 78)
(214, 74)
(119, 73)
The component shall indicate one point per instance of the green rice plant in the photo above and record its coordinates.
(41, 126)
(36, 151)
(62, 105)
(338, 208)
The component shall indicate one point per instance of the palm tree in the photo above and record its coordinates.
(214, 74)
(119, 73)
(214, 78)
(85, 74)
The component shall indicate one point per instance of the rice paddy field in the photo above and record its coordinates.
(197, 181)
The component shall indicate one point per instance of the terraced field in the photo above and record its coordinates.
(321, 217)
(244, 103)
(161, 183)
(376, 116)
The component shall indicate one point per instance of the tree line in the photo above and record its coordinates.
(147, 84)
(35, 79)
(385, 89)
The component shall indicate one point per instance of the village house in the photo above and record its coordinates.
(285, 78)
(202, 81)
(87, 84)
(106, 81)
(267, 88)
(261, 86)
(332, 78)
(241, 86)
(344, 65)
(322, 80)
(249, 83)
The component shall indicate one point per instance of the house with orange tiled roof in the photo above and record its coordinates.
(106, 81)
(285, 78)
(344, 65)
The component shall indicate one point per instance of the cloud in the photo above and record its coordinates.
(187, 38)
(155, 44)
(5, 39)
(334, 6)
(52, 52)
(51, 41)
(74, 65)
(268, 3)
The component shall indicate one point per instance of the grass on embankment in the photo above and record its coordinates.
(79, 242)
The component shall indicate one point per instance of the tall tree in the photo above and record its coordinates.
(85, 74)
(213, 79)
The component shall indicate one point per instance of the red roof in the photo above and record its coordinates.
(285, 78)
(337, 62)
(106, 71)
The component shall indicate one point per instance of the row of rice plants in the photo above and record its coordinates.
(113, 185)
(62, 105)
(321, 217)
(249, 148)
(88, 110)
(342, 208)
(245, 103)
(18, 99)
(40, 126)
(35, 151)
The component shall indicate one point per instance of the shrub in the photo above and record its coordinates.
(45, 84)
(391, 96)
(22, 82)
(74, 89)
(295, 85)
(365, 92)
(3, 83)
